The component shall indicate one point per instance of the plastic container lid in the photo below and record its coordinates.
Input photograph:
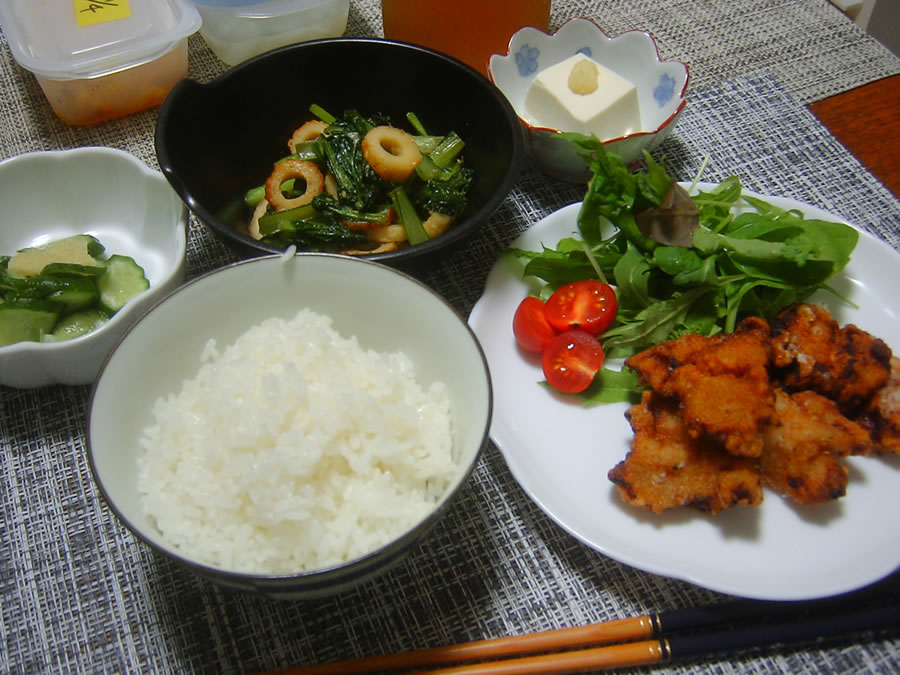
(80, 39)
(273, 6)
(239, 29)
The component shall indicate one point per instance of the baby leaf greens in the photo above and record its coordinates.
(686, 263)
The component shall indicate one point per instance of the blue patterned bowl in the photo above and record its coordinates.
(661, 87)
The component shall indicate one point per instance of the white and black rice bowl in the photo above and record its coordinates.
(290, 425)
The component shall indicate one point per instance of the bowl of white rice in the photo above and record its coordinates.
(290, 425)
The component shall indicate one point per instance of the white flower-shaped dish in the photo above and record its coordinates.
(110, 194)
(660, 84)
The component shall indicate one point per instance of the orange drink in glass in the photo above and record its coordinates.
(469, 30)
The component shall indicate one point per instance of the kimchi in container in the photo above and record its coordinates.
(96, 60)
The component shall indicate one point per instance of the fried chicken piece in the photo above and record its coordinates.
(667, 467)
(882, 416)
(804, 445)
(656, 364)
(848, 365)
(721, 383)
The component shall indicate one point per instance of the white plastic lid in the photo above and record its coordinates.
(229, 3)
(81, 39)
(296, 5)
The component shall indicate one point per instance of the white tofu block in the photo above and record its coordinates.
(609, 111)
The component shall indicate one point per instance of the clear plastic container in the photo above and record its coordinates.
(239, 29)
(98, 61)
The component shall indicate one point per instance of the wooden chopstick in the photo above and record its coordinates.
(679, 648)
(619, 630)
(644, 640)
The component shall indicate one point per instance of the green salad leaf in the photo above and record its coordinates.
(745, 256)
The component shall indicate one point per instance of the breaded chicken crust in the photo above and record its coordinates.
(804, 445)
(812, 351)
(667, 467)
(781, 407)
(881, 416)
(721, 383)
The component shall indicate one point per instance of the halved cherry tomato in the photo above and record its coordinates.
(588, 305)
(571, 361)
(530, 326)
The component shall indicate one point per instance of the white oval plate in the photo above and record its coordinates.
(560, 452)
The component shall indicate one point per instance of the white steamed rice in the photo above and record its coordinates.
(293, 449)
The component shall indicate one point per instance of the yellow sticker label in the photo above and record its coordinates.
(90, 12)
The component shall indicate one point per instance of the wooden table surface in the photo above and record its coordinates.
(866, 120)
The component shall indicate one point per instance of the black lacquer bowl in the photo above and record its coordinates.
(216, 140)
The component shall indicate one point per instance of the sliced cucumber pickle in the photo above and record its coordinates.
(76, 324)
(122, 281)
(27, 319)
(76, 294)
(65, 289)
